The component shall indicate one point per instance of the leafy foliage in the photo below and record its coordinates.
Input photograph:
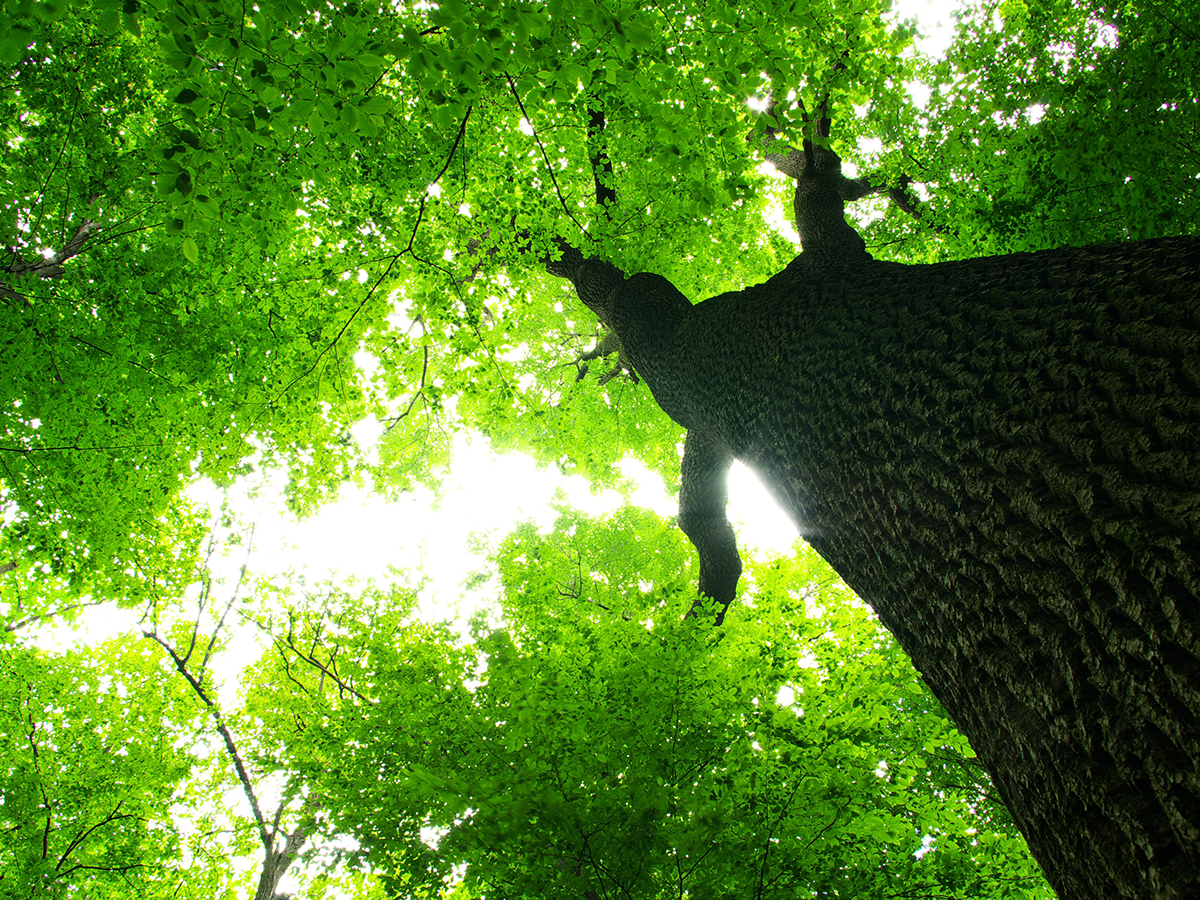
(243, 202)
(1050, 124)
(268, 224)
(235, 233)
(95, 757)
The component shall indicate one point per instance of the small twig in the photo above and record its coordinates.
(208, 652)
(395, 420)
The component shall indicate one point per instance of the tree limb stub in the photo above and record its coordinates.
(703, 495)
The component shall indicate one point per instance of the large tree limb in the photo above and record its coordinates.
(278, 860)
(819, 201)
(817, 156)
(703, 494)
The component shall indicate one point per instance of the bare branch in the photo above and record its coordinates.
(226, 735)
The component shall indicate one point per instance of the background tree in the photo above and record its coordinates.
(1048, 125)
(589, 751)
(279, 817)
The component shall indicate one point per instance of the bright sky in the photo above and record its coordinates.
(935, 22)
(484, 498)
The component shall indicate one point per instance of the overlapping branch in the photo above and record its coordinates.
(45, 267)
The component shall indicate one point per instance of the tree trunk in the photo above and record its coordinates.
(277, 862)
(1002, 456)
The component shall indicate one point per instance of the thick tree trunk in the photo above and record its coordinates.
(1002, 456)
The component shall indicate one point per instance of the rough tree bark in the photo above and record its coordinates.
(1002, 456)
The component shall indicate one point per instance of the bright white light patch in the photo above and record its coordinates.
(756, 517)
(935, 22)
(649, 492)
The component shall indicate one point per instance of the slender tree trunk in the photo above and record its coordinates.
(1002, 456)
(277, 862)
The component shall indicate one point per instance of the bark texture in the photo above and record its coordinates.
(1002, 456)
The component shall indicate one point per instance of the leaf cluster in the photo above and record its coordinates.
(1049, 124)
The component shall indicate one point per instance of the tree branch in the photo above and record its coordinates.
(214, 711)
(212, 641)
(37, 767)
(30, 619)
(111, 817)
(795, 164)
(546, 159)
(602, 167)
(606, 346)
(46, 267)
(395, 420)
(703, 494)
(310, 658)
(52, 266)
